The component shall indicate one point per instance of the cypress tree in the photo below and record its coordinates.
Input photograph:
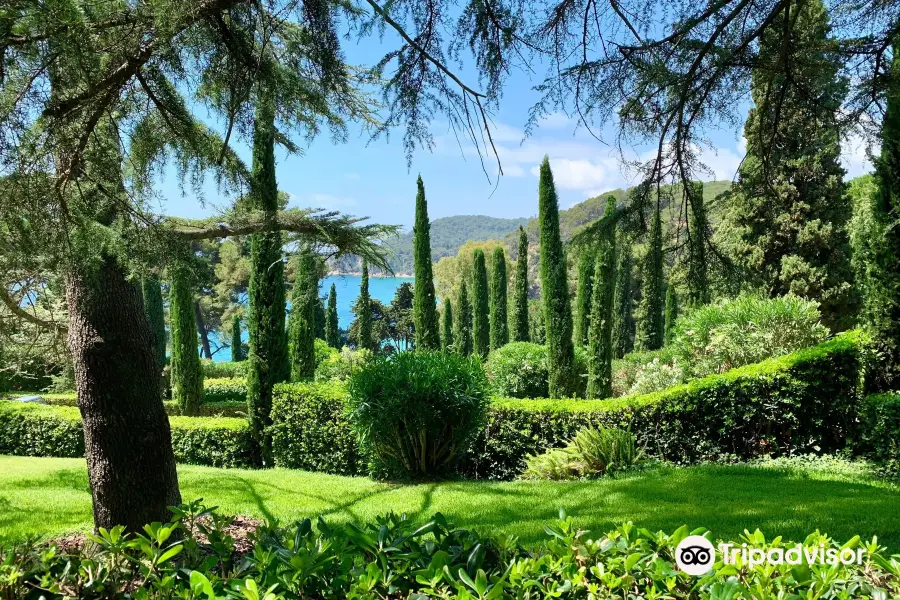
(652, 326)
(481, 333)
(499, 319)
(332, 333)
(698, 230)
(462, 325)
(187, 374)
(623, 318)
(424, 304)
(555, 290)
(671, 312)
(237, 346)
(520, 294)
(447, 326)
(153, 307)
(882, 287)
(786, 224)
(583, 299)
(363, 310)
(268, 358)
(600, 335)
(302, 324)
(320, 317)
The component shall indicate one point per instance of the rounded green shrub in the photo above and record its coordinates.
(417, 413)
(519, 370)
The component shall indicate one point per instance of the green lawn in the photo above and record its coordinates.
(45, 496)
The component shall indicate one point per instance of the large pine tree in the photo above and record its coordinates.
(462, 324)
(520, 294)
(268, 359)
(555, 290)
(424, 304)
(583, 297)
(651, 330)
(481, 330)
(302, 324)
(499, 320)
(153, 307)
(187, 374)
(600, 346)
(786, 224)
(447, 326)
(363, 310)
(332, 333)
(623, 318)
(698, 234)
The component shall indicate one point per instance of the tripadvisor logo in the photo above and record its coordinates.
(695, 555)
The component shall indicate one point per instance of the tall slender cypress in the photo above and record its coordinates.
(187, 373)
(499, 319)
(652, 325)
(671, 312)
(698, 230)
(520, 294)
(302, 324)
(447, 326)
(153, 307)
(363, 310)
(462, 324)
(268, 360)
(882, 286)
(481, 331)
(332, 333)
(424, 303)
(320, 317)
(623, 317)
(555, 290)
(583, 299)
(237, 345)
(600, 344)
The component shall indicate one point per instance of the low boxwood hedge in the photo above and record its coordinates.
(223, 370)
(225, 389)
(42, 430)
(803, 402)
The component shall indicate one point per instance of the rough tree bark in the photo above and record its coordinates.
(128, 443)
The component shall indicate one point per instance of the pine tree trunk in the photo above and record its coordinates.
(128, 443)
(201, 329)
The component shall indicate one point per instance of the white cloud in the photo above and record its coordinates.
(555, 120)
(326, 201)
(578, 174)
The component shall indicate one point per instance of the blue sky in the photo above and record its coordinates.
(372, 179)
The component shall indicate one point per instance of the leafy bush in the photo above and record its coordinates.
(626, 369)
(746, 330)
(519, 370)
(339, 366)
(593, 452)
(41, 430)
(196, 555)
(656, 376)
(309, 430)
(416, 413)
(222, 370)
(225, 389)
(879, 430)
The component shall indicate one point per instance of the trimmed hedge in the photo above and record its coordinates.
(879, 431)
(225, 389)
(803, 402)
(41, 430)
(310, 431)
(223, 370)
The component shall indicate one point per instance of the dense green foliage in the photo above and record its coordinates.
(153, 307)
(519, 324)
(591, 453)
(424, 302)
(555, 289)
(651, 326)
(394, 555)
(785, 225)
(698, 234)
(224, 389)
(481, 324)
(600, 347)
(218, 370)
(498, 318)
(302, 322)
(339, 366)
(269, 361)
(416, 413)
(623, 317)
(462, 325)
(38, 430)
(879, 430)
(520, 370)
(332, 332)
(671, 312)
(447, 342)
(237, 345)
(186, 372)
(363, 311)
(583, 296)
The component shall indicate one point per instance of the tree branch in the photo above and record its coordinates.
(23, 314)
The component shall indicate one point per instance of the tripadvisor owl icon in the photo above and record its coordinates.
(695, 555)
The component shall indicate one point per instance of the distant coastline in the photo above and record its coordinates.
(372, 275)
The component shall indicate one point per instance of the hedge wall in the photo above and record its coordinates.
(804, 402)
(41, 430)
(879, 431)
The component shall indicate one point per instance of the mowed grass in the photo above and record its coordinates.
(48, 496)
